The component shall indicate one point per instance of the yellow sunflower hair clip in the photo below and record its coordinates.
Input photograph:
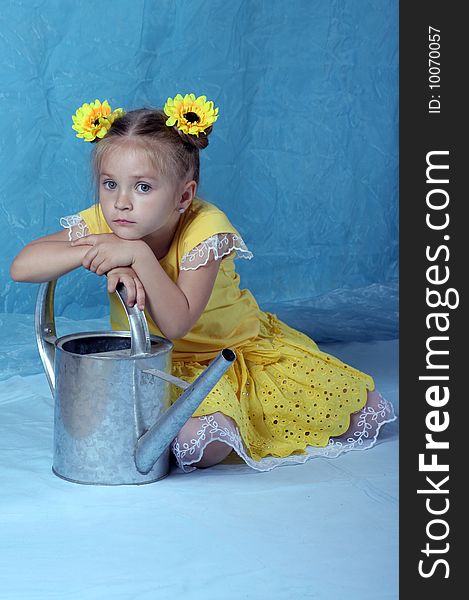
(94, 120)
(190, 114)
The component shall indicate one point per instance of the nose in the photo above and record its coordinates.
(122, 202)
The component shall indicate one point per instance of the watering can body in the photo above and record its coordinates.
(113, 419)
(103, 405)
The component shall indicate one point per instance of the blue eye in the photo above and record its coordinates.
(144, 187)
(109, 184)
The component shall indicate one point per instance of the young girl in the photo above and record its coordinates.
(282, 400)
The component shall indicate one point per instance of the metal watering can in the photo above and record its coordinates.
(113, 421)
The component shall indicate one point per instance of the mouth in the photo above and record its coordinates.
(123, 222)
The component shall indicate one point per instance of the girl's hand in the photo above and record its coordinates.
(133, 285)
(107, 252)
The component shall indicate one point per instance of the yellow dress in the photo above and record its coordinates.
(284, 394)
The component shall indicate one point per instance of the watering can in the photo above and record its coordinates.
(113, 420)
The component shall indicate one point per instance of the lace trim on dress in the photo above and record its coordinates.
(367, 429)
(220, 244)
(77, 228)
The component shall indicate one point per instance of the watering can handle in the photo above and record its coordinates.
(140, 334)
(46, 334)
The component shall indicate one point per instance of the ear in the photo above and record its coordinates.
(188, 192)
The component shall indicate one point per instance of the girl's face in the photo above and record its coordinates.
(136, 201)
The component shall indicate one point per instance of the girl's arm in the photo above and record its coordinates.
(175, 307)
(47, 258)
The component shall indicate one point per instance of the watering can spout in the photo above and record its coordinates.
(151, 445)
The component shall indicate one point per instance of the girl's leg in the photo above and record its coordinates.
(214, 453)
(374, 399)
(216, 450)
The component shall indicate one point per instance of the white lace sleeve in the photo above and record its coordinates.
(77, 228)
(220, 244)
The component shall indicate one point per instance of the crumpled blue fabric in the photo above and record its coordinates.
(303, 158)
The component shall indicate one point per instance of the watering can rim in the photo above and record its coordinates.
(165, 344)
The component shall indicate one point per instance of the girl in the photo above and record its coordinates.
(282, 400)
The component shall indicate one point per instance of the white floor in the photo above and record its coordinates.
(326, 529)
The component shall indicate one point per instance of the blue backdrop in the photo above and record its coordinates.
(303, 158)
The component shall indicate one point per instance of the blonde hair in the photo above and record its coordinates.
(174, 154)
